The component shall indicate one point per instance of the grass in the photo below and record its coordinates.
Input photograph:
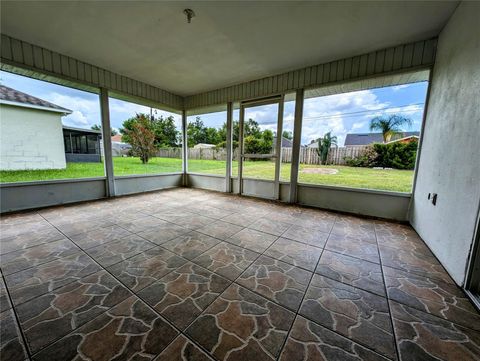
(393, 180)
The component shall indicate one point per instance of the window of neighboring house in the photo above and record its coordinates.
(48, 131)
(151, 139)
(362, 139)
(207, 141)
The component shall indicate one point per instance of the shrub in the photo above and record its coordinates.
(365, 159)
(396, 155)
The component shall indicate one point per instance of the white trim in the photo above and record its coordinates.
(31, 106)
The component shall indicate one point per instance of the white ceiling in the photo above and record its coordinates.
(227, 42)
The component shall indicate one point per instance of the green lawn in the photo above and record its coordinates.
(394, 180)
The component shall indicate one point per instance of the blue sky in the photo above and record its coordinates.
(329, 113)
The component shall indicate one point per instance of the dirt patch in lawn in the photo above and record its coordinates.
(319, 171)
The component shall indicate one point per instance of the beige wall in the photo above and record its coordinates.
(449, 163)
(30, 139)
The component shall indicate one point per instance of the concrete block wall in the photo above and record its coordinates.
(30, 139)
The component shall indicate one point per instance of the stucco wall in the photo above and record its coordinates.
(30, 139)
(449, 164)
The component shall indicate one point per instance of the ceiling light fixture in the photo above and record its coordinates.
(190, 14)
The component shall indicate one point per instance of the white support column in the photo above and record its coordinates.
(229, 142)
(184, 148)
(107, 142)
(278, 148)
(297, 141)
(240, 149)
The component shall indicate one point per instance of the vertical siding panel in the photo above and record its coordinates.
(47, 60)
(307, 77)
(301, 78)
(6, 48)
(355, 67)
(64, 65)
(332, 77)
(418, 53)
(38, 57)
(17, 52)
(94, 75)
(313, 75)
(326, 73)
(429, 51)
(407, 56)
(347, 69)
(398, 58)
(88, 73)
(27, 54)
(340, 69)
(371, 63)
(388, 63)
(101, 77)
(81, 70)
(57, 67)
(319, 75)
(362, 70)
(379, 61)
(72, 65)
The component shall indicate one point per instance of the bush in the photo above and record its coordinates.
(396, 155)
(366, 158)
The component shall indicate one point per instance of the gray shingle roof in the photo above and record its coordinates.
(369, 138)
(15, 96)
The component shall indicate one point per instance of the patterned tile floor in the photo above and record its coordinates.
(187, 274)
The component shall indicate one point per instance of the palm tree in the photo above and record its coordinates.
(324, 145)
(389, 125)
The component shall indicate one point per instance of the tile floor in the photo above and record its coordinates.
(187, 274)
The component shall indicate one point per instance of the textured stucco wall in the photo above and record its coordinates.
(30, 139)
(449, 164)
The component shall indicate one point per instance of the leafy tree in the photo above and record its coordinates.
(324, 145)
(98, 127)
(164, 129)
(141, 136)
(389, 125)
(287, 134)
(197, 133)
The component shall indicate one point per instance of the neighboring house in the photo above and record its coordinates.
(82, 145)
(407, 139)
(120, 149)
(286, 143)
(204, 146)
(30, 132)
(117, 138)
(356, 139)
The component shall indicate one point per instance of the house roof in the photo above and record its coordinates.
(82, 130)
(369, 138)
(286, 143)
(117, 138)
(15, 97)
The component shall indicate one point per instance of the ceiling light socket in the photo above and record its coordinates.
(190, 14)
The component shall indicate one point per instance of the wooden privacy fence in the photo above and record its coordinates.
(307, 155)
(336, 155)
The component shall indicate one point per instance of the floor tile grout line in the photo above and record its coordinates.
(303, 298)
(397, 352)
(219, 295)
(17, 319)
(133, 293)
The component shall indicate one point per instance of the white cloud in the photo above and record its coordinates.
(85, 112)
(400, 87)
(330, 113)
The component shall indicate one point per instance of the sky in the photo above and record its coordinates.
(339, 114)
